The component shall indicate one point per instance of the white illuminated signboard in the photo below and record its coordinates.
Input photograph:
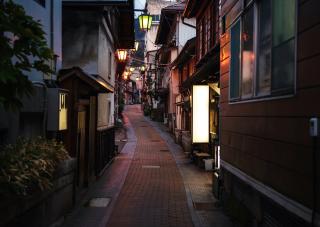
(63, 111)
(200, 114)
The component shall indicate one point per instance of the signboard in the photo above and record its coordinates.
(63, 111)
(200, 114)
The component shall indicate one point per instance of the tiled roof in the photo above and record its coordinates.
(175, 7)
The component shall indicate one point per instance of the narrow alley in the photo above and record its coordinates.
(151, 183)
(159, 113)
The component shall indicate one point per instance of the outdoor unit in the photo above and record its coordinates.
(57, 109)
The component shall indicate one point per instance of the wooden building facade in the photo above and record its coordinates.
(269, 81)
(206, 71)
(92, 31)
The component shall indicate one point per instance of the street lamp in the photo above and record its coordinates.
(122, 55)
(145, 21)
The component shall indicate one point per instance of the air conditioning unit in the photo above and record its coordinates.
(57, 109)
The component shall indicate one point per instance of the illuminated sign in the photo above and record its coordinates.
(63, 111)
(200, 114)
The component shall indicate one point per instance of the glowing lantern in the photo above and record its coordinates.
(145, 21)
(131, 69)
(122, 55)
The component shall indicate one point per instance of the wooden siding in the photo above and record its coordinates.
(269, 139)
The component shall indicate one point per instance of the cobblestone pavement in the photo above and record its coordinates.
(153, 193)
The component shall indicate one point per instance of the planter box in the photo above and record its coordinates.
(41, 209)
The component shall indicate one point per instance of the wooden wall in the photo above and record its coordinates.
(269, 140)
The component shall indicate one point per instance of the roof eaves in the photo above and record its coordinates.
(164, 25)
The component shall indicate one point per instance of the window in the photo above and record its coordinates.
(235, 60)
(205, 32)
(155, 18)
(263, 50)
(247, 53)
(264, 47)
(41, 2)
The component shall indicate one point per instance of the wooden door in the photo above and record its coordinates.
(81, 148)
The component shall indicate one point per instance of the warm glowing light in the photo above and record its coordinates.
(125, 76)
(143, 68)
(200, 114)
(145, 21)
(63, 111)
(136, 45)
(122, 55)
(131, 69)
(137, 78)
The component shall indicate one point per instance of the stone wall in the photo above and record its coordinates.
(42, 209)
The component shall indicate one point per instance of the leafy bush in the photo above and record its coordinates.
(29, 165)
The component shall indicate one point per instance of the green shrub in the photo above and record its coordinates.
(29, 165)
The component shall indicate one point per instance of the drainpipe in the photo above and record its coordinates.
(51, 24)
(51, 28)
(45, 103)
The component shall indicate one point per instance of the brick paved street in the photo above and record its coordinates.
(150, 183)
(153, 193)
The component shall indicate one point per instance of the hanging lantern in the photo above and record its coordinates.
(122, 55)
(125, 75)
(136, 45)
(145, 21)
(142, 68)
